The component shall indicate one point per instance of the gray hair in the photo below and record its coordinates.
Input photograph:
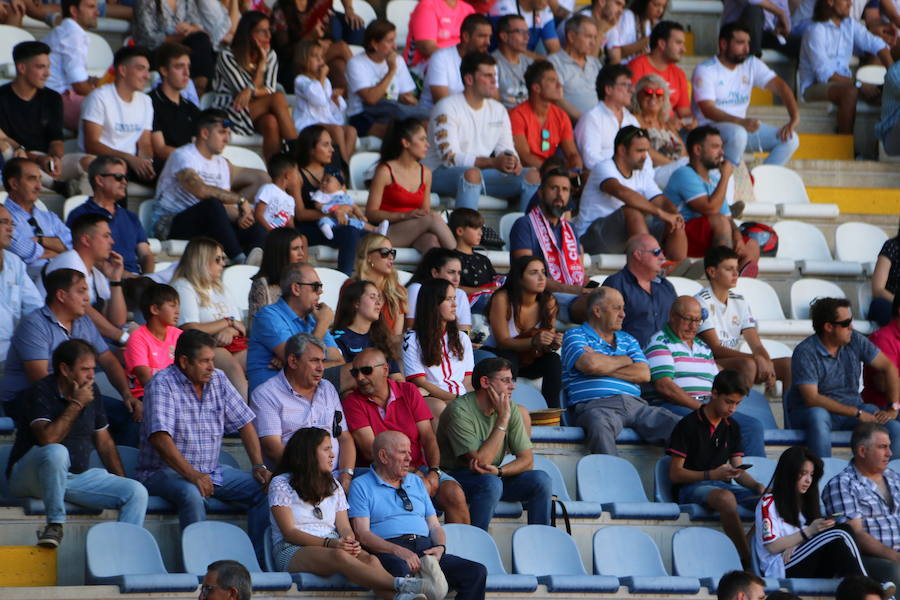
(574, 24)
(298, 343)
(598, 296)
(291, 274)
(99, 166)
(232, 574)
(863, 434)
(652, 80)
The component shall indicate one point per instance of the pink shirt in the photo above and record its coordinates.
(435, 20)
(886, 339)
(143, 349)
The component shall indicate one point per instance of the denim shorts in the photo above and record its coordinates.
(696, 493)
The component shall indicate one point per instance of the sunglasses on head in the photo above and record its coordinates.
(404, 497)
(366, 370)
(655, 92)
(385, 252)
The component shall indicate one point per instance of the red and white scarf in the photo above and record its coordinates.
(564, 262)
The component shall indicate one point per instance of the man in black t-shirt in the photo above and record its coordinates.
(174, 117)
(61, 422)
(31, 117)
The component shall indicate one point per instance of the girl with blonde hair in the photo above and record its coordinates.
(650, 104)
(375, 256)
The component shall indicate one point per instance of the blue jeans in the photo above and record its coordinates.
(752, 431)
(484, 492)
(765, 139)
(44, 473)
(819, 423)
(451, 181)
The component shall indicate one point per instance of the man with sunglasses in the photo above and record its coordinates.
(299, 397)
(394, 519)
(826, 368)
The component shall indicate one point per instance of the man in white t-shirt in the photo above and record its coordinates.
(597, 128)
(442, 76)
(68, 43)
(194, 194)
(470, 145)
(621, 200)
(721, 94)
(117, 118)
(729, 322)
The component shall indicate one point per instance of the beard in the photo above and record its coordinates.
(737, 58)
(554, 211)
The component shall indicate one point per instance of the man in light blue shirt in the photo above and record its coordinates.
(824, 72)
(603, 368)
(888, 128)
(18, 294)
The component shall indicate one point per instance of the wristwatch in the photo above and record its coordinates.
(435, 470)
(347, 471)
(500, 472)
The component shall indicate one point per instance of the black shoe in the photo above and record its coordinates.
(51, 536)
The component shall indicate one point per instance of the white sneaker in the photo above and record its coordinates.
(436, 587)
(325, 228)
(383, 227)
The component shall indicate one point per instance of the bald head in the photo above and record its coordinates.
(391, 454)
(388, 440)
(644, 257)
(640, 241)
(684, 304)
(368, 356)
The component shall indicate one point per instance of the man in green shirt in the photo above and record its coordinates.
(476, 432)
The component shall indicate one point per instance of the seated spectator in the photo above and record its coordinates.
(314, 154)
(476, 433)
(274, 205)
(108, 176)
(174, 116)
(512, 59)
(375, 264)
(477, 277)
(885, 281)
(230, 576)
(331, 195)
(543, 232)
(316, 102)
(18, 294)
(69, 42)
(180, 442)
(284, 246)
(860, 587)
(603, 368)
(769, 24)
(38, 335)
(631, 36)
(857, 495)
(648, 295)
(887, 340)
(39, 234)
(61, 423)
(706, 449)
(433, 25)
(742, 585)
(700, 191)
(244, 85)
(117, 118)
(31, 118)
(792, 538)
(400, 170)
(721, 94)
(652, 105)
(406, 541)
(523, 326)
(596, 130)
(206, 306)
(437, 356)
(666, 49)
(540, 128)
(314, 513)
(298, 311)
(682, 370)
(92, 256)
(824, 72)
(577, 66)
(730, 322)
(195, 197)
(381, 404)
(198, 25)
(442, 77)
(538, 19)
(887, 128)
(151, 348)
(471, 150)
(826, 369)
(443, 264)
(380, 86)
(298, 397)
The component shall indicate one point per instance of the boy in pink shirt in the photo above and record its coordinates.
(151, 347)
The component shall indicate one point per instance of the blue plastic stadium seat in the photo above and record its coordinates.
(662, 492)
(578, 509)
(632, 556)
(800, 586)
(7, 425)
(615, 483)
(529, 397)
(832, 466)
(205, 542)
(551, 555)
(127, 555)
(129, 458)
(756, 405)
(762, 469)
(708, 554)
(476, 544)
(314, 583)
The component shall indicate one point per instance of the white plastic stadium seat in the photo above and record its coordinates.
(359, 163)
(403, 276)
(360, 7)
(783, 187)
(499, 258)
(684, 286)
(767, 309)
(242, 157)
(236, 281)
(873, 74)
(506, 223)
(9, 37)
(599, 278)
(859, 242)
(805, 291)
(100, 55)
(775, 348)
(609, 262)
(71, 204)
(332, 280)
(805, 244)
(759, 210)
(399, 13)
(145, 214)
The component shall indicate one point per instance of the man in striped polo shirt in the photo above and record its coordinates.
(603, 368)
(682, 369)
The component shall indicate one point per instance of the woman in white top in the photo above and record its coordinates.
(445, 264)
(792, 539)
(206, 306)
(310, 529)
(631, 36)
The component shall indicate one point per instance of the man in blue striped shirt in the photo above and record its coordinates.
(603, 368)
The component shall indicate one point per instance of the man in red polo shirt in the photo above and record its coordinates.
(382, 404)
(666, 49)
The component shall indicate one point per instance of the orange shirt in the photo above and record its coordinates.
(557, 125)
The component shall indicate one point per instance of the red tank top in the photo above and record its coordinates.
(396, 198)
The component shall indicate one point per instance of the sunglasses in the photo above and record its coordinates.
(655, 92)
(317, 512)
(654, 252)
(120, 177)
(385, 252)
(35, 227)
(404, 497)
(845, 323)
(545, 140)
(315, 285)
(367, 370)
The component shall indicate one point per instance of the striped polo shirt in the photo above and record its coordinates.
(692, 367)
(581, 387)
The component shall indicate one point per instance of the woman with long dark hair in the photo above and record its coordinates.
(310, 529)
(443, 264)
(283, 247)
(792, 538)
(522, 315)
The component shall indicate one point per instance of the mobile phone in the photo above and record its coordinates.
(743, 467)
(836, 515)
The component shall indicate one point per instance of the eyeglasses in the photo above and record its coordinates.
(315, 285)
(221, 260)
(545, 140)
(407, 503)
(655, 92)
(317, 512)
(35, 227)
(654, 252)
(385, 252)
(690, 320)
(120, 177)
(366, 370)
(845, 323)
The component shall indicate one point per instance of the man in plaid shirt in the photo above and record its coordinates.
(866, 496)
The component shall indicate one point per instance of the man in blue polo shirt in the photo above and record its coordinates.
(298, 311)
(393, 518)
(603, 368)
